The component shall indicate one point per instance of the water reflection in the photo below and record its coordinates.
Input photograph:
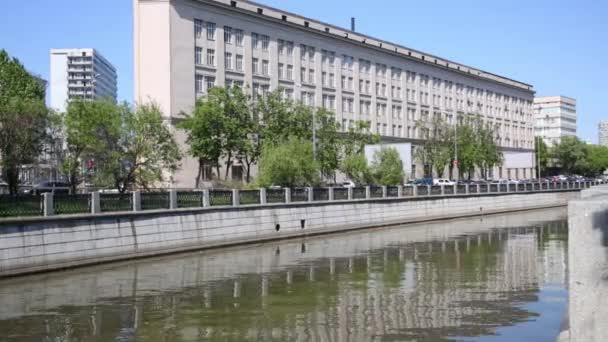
(460, 280)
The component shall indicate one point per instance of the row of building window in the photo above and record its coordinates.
(328, 57)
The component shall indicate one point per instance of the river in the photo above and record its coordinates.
(493, 278)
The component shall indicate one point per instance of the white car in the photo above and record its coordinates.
(443, 181)
(348, 184)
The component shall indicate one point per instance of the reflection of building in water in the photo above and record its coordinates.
(430, 286)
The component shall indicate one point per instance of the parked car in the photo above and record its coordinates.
(421, 181)
(48, 186)
(443, 181)
(348, 184)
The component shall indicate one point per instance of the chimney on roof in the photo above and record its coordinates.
(352, 24)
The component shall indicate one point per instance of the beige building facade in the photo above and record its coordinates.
(184, 47)
(555, 117)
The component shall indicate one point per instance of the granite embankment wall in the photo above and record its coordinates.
(43, 244)
(588, 267)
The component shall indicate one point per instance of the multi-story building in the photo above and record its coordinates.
(80, 74)
(602, 132)
(555, 117)
(184, 47)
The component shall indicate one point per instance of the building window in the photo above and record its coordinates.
(303, 74)
(228, 61)
(281, 70)
(239, 62)
(198, 28)
(290, 49)
(210, 31)
(198, 84)
(289, 72)
(238, 36)
(255, 66)
(265, 42)
(265, 68)
(198, 55)
(209, 83)
(228, 34)
(255, 40)
(210, 57)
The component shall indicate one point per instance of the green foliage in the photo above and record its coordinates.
(543, 154)
(356, 169)
(597, 159)
(571, 155)
(92, 128)
(438, 146)
(387, 167)
(143, 151)
(23, 118)
(221, 127)
(226, 126)
(475, 144)
(289, 164)
(16, 82)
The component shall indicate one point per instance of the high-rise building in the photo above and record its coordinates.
(555, 117)
(602, 131)
(183, 48)
(80, 74)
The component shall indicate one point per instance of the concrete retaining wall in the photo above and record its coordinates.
(588, 267)
(28, 246)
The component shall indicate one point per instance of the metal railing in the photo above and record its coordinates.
(50, 204)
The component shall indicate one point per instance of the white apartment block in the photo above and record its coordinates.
(80, 74)
(602, 132)
(555, 117)
(184, 47)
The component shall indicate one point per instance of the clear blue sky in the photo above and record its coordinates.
(560, 47)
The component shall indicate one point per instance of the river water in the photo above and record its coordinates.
(495, 278)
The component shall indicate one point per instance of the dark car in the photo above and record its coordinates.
(49, 186)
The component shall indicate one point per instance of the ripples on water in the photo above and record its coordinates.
(500, 278)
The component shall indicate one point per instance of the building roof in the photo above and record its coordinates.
(304, 23)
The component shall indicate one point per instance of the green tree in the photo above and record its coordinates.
(543, 154)
(91, 129)
(355, 167)
(221, 129)
(387, 167)
(438, 145)
(283, 119)
(23, 119)
(571, 155)
(489, 154)
(597, 159)
(144, 150)
(289, 164)
(329, 143)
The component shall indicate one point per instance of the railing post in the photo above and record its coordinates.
(368, 192)
(330, 193)
(206, 199)
(263, 196)
(384, 191)
(287, 195)
(236, 200)
(508, 187)
(455, 191)
(311, 194)
(95, 203)
(414, 190)
(478, 189)
(48, 208)
(136, 201)
(429, 188)
(399, 191)
(442, 189)
(350, 193)
(172, 199)
(466, 189)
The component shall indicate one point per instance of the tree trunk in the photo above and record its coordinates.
(197, 181)
(248, 174)
(228, 164)
(12, 179)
